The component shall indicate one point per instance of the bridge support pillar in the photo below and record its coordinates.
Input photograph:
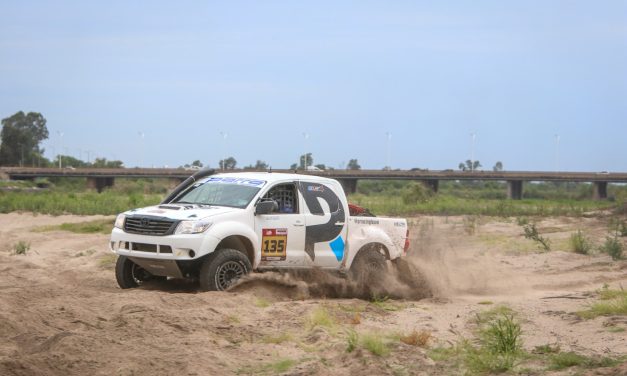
(432, 184)
(349, 185)
(100, 183)
(514, 189)
(600, 190)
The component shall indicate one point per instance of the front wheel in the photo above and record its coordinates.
(129, 274)
(222, 269)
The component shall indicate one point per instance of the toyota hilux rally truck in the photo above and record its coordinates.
(217, 228)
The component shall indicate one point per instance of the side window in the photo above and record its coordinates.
(286, 196)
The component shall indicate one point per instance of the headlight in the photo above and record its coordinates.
(119, 221)
(192, 227)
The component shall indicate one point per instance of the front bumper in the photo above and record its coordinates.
(170, 247)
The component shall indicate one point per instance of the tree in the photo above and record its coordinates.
(498, 166)
(70, 161)
(260, 165)
(353, 164)
(228, 164)
(196, 165)
(21, 135)
(104, 163)
(302, 160)
(469, 165)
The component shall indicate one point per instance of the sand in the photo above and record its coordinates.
(61, 312)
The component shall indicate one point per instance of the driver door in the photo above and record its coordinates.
(281, 233)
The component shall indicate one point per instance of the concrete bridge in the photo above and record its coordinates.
(99, 178)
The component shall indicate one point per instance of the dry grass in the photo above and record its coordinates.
(417, 338)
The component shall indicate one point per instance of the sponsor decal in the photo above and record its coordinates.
(366, 221)
(315, 188)
(273, 244)
(238, 181)
(324, 232)
(337, 246)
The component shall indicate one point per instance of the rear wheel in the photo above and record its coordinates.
(369, 267)
(128, 274)
(222, 269)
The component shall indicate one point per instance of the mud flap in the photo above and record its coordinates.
(165, 268)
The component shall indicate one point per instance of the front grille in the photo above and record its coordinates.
(144, 247)
(149, 225)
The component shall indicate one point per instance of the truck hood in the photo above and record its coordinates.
(182, 211)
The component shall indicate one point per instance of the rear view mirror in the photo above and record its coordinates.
(266, 207)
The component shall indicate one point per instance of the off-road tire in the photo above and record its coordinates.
(222, 268)
(128, 274)
(369, 267)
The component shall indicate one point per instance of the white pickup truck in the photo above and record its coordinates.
(217, 228)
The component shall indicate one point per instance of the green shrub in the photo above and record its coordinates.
(21, 247)
(613, 247)
(612, 302)
(375, 344)
(531, 232)
(470, 224)
(502, 336)
(417, 192)
(571, 359)
(500, 343)
(579, 243)
(352, 341)
(321, 317)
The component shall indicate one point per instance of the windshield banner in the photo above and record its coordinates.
(238, 181)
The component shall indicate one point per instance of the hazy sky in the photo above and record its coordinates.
(514, 73)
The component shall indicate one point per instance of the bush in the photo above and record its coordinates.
(352, 341)
(417, 192)
(21, 247)
(502, 336)
(618, 227)
(500, 343)
(579, 243)
(375, 344)
(531, 232)
(613, 247)
(420, 339)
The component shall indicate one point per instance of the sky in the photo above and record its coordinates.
(537, 85)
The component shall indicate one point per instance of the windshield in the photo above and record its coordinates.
(236, 193)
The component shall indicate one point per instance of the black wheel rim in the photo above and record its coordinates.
(138, 274)
(228, 273)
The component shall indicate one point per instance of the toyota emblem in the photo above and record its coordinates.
(145, 222)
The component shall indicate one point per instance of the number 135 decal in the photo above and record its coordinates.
(273, 244)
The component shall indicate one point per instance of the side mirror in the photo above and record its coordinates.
(266, 207)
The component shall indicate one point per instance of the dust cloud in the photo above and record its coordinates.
(441, 263)
(317, 283)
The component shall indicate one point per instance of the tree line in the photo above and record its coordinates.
(22, 134)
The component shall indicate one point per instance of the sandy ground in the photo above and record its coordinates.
(61, 312)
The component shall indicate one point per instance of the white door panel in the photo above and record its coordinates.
(281, 238)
